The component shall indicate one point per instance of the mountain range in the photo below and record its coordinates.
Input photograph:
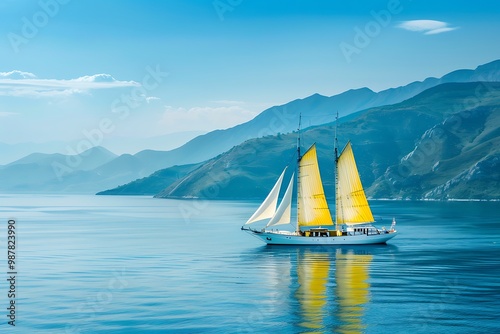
(34, 174)
(440, 144)
(41, 172)
(13, 152)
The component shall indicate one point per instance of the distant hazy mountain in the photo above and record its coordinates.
(441, 143)
(88, 160)
(12, 152)
(39, 172)
(152, 184)
(315, 109)
(159, 143)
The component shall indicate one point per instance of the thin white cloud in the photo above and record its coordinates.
(228, 102)
(203, 118)
(150, 99)
(7, 113)
(25, 84)
(427, 27)
(440, 30)
(102, 77)
(17, 75)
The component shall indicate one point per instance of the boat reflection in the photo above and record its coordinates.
(330, 287)
(313, 270)
(352, 289)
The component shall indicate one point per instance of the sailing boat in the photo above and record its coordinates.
(314, 225)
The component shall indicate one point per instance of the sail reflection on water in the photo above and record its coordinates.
(352, 290)
(313, 275)
(342, 312)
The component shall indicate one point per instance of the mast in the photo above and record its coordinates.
(298, 137)
(336, 144)
(298, 171)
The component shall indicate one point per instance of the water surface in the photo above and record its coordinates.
(89, 264)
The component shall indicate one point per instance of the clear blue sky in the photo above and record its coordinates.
(226, 60)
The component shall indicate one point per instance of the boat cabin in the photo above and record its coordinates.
(318, 232)
(368, 230)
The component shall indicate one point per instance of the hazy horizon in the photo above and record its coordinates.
(124, 73)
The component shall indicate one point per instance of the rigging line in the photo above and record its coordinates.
(292, 157)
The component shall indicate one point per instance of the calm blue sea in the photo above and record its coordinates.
(98, 264)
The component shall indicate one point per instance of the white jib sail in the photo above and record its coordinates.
(284, 212)
(268, 208)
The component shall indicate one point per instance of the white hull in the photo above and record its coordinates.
(273, 238)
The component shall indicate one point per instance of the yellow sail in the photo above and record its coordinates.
(351, 204)
(312, 206)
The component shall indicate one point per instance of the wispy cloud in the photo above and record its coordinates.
(150, 99)
(203, 118)
(7, 113)
(427, 27)
(25, 84)
(17, 75)
(228, 102)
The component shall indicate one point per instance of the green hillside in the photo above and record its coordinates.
(453, 128)
(152, 184)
